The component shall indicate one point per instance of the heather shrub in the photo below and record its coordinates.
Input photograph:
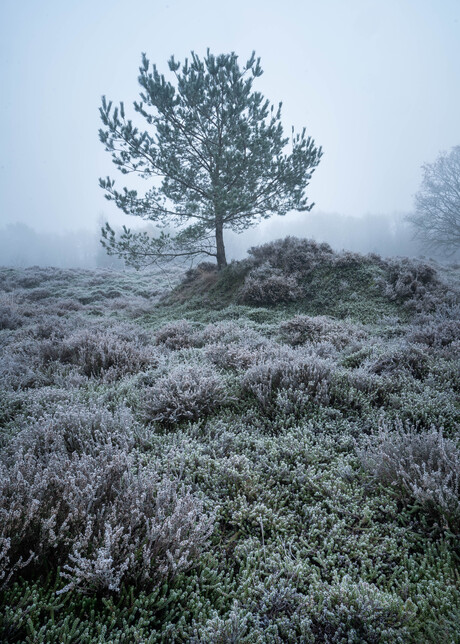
(424, 405)
(10, 317)
(288, 371)
(402, 357)
(99, 353)
(292, 255)
(231, 355)
(303, 328)
(408, 278)
(421, 467)
(353, 612)
(52, 326)
(63, 306)
(348, 258)
(232, 346)
(359, 392)
(230, 332)
(49, 351)
(37, 294)
(343, 612)
(154, 530)
(441, 329)
(415, 283)
(83, 502)
(20, 370)
(31, 278)
(69, 427)
(267, 285)
(437, 334)
(176, 335)
(187, 392)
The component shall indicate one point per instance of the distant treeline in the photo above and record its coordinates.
(22, 246)
(387, 235)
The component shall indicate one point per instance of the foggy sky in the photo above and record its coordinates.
(376, 83)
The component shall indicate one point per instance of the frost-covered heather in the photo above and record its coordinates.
(422, 466)
(286, 370)
(280, 465)
(187, 392)
(303, 328)
(73, 492)
(268, 285)
(288, 269)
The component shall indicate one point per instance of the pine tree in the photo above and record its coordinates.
(214, 153)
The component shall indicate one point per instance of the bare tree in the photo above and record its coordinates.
(437, 204)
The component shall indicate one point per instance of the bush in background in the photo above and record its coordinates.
(176, 335)
(292, 255)
(100, 353)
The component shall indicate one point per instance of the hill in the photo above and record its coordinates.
(266, 454)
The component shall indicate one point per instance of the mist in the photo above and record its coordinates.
(375, 84)
(386, 235)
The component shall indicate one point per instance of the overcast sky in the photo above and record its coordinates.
(375, 82)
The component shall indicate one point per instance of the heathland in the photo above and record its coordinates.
(269, 453)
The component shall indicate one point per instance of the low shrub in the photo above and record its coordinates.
(99, 353)
(38, 294)
(402, 357)
(438, 330)
(10, 317)
(231, 346)
(229, 331)
(355, 612)
(70, 427)
(231, 355)
(20, 370)
(187, 392)
(288, 371)
(303, 328)
(265, 285)
(94, 511)
(408, 278)
(416, 284)
(292, 255)
(422, 467)
(343, 612)
(424, 406)
(176, 335)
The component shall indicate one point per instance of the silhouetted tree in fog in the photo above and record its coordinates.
(437, 204)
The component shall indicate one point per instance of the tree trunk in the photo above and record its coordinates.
(221, 259)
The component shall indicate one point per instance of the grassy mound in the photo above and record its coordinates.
(303, 276)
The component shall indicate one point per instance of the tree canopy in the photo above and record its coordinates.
(214, 155)
(437, 204)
